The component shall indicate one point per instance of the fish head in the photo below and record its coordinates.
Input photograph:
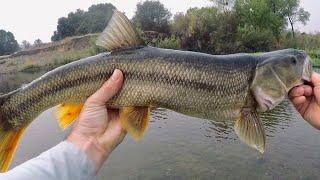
(276, 74)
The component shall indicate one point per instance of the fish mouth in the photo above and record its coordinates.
(306, 74)
(307, 71)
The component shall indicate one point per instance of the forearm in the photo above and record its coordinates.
(62, 162)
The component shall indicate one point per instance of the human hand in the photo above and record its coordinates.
(98, 130)
(306, 99)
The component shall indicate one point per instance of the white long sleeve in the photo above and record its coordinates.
(65, 161)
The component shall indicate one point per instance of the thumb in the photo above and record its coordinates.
(108, 89)
(316, 83)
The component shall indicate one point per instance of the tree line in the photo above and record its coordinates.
(9, 45)
(228, 26)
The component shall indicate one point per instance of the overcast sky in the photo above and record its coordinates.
(32, 19)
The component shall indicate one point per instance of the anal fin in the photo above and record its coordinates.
(250, 129)
(135, 120)
(67, 113)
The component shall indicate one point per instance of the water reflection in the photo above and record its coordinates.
(274, 121)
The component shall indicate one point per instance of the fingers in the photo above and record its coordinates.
(296, 92)
(298, 101)
(315, 79)
(114, 134)
(303, 90)
(108, 89)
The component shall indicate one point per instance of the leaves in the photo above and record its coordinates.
(8, 44)
(84, 22)
(152, 16)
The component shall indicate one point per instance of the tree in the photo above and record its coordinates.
(224, 5)
(152, 16)
(260, 16)
(196, 29)
(96, 18)
(83, 22)
(294, 13)
(67, 26)
(206, 30)
(25, 44)
(37, 43)
(8, 44)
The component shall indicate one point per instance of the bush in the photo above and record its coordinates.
(8, 44)
(256, 40)
(169, 43)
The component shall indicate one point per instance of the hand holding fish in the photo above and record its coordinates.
(307, 101)
(98, 130)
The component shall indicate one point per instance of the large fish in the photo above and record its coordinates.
(229, 87)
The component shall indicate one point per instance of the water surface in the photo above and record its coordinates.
(181, 147)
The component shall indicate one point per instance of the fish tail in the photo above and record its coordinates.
(9, 137)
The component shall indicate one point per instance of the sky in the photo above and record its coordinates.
(33, 19)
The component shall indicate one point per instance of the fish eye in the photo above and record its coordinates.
(293, 60)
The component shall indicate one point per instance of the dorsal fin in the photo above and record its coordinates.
(119, 33)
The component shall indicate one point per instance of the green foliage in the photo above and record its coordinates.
(255, 40)
(84, 22)
(230, 26)
(32, 68)
(169, 43)
(259, 15)
(152, 16)
(202, 29)
(294, 13)
(226, 34)
(238, 26)
(195, 28)
(94, 49)
(8, 44)
(301, 40)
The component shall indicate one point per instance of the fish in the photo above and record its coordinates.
(235, 87)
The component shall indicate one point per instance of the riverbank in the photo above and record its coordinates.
(50, 55)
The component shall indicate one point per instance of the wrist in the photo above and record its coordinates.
(91, 147)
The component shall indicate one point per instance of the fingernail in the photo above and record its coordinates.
(116, 75)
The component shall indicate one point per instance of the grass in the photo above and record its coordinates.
(315, 56)
(31, 68)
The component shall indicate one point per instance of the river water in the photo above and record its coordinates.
(181, 147)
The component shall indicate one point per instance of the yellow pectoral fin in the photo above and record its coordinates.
(135, 120)
(67, 113)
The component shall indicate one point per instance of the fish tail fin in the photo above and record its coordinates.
(9, 137)
(9, 140)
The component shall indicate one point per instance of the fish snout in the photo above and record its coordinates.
(307, 71)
